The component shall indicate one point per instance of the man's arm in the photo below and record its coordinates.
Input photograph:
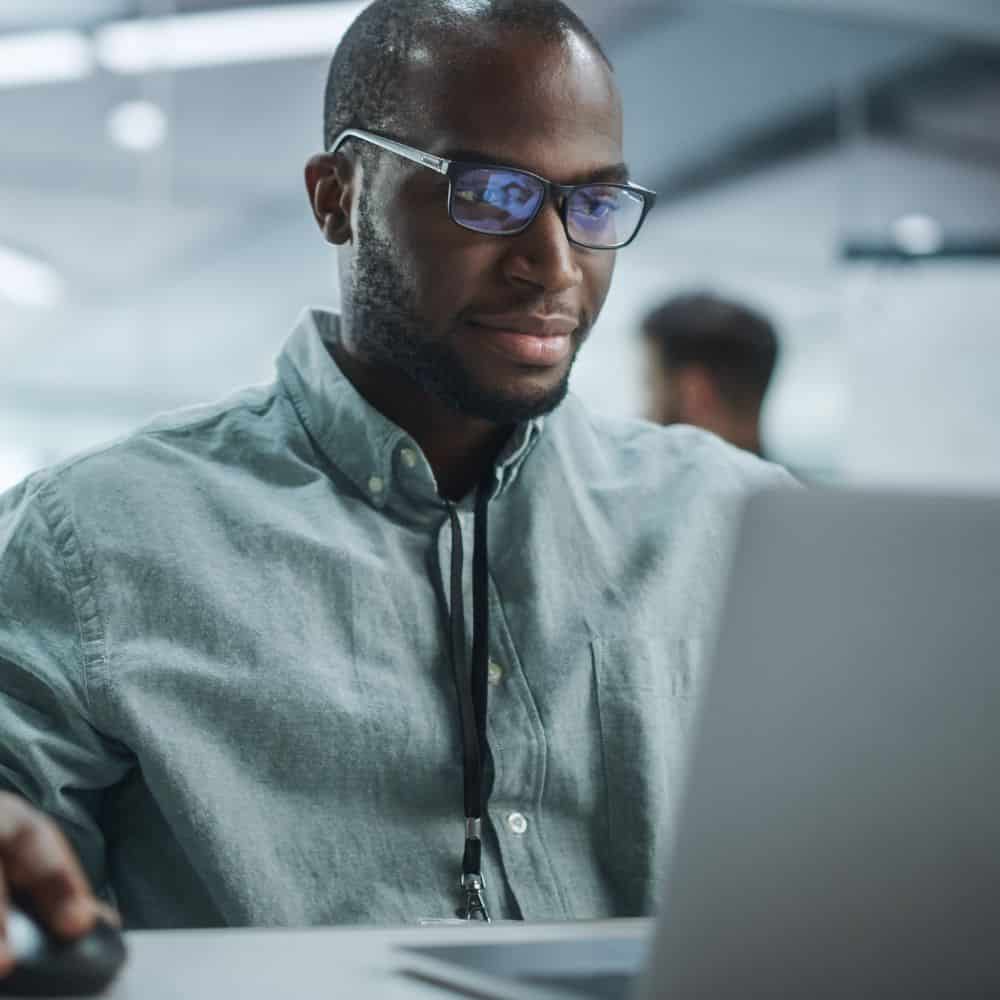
(54, 761)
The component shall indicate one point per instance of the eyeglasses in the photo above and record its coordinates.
(503, 201)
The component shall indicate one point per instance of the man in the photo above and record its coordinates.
(246, 653)
(709, 362)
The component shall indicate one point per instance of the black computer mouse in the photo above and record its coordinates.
(47, 966)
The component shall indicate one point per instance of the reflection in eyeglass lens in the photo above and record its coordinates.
(504, 201)
(495, 200)
(603, 215)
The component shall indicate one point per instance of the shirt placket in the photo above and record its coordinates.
(517, 805)
(518, 865)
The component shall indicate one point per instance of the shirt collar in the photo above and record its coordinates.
(383, 462)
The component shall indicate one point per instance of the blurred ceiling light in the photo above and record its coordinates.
(27, 281)
(138, 126)
(22, 15)
(223, 37)
(917, 235)
(44, 57)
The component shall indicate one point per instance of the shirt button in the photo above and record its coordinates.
(376, 484)
(517, 822)
(409, 457)
(494, 673)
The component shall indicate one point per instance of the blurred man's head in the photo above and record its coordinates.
(709, 363)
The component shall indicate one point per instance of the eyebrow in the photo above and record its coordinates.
(617, 173)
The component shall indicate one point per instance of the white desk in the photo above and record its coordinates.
(320, 963)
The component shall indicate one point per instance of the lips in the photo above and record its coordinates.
(529, 339)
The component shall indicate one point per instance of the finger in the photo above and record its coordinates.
(39, 864)
(109, 914)
(45, 871)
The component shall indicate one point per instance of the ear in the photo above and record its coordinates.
(329, 183)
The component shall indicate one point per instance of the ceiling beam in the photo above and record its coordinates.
(956, 69)
(972, 20)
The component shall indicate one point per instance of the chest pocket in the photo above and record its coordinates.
(647, 694)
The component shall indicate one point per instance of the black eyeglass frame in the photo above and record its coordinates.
(451, 168)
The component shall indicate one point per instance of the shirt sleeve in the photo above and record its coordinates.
(51, 642)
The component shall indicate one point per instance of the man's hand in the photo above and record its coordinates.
(37, 864)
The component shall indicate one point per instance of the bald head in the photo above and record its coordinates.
(393, 43)
(520, 85)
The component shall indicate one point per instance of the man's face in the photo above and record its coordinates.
(460, 312)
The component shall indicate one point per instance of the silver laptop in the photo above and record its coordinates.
(841, 830)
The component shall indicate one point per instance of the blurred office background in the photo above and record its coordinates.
(835, 162)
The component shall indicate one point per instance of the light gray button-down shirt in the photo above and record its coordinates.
(224, 659)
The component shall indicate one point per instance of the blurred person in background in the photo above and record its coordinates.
(709, 361)
(235, 656)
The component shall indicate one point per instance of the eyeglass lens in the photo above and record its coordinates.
(490, 200)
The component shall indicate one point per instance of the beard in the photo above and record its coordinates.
(389, 330)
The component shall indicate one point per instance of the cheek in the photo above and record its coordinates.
(461, 276)
(407, 225)
(451, 268)
(598, 269)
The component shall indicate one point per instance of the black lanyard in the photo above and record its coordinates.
(471, 683)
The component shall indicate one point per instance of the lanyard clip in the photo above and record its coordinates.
(475, 904)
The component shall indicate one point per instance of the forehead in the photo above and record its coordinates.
(549, 106)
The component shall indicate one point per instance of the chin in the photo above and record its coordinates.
(506, 405)
(486, 389)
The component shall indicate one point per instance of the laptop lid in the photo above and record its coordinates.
(841, 829)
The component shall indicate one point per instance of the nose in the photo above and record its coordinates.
(542, 255)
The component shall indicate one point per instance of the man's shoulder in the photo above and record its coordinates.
(639, 452)
(244, 404)
(170, 446)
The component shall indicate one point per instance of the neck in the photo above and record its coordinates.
(745, 434)
(742, 431)
(459, 448)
